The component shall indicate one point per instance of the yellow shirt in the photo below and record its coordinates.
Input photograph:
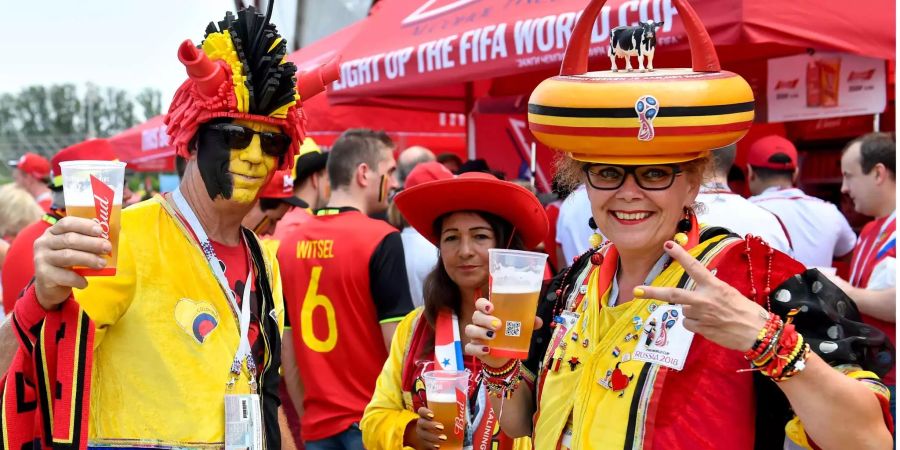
(154, 382)
(597, 415)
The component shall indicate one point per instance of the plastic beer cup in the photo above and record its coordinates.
(93, 190)
(516, 279)
(446, 391)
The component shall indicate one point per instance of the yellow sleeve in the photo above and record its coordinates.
(106, 299)
(796, 433)
(386, 418)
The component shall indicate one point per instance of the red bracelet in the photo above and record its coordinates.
(773, 324)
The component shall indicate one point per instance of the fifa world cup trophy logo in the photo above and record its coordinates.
(647, 107)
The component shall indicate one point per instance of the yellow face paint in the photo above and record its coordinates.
(250, 167)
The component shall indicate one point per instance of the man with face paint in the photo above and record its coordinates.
(345, 289)
(192, 319)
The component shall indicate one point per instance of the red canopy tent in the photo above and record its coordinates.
(438, 131)
(145, 147)
(443, 51)
(445, 54)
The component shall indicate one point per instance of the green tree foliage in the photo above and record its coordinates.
(66, 110)
(44, 119)
(150, 101)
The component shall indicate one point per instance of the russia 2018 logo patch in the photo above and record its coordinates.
(647, 108)
(197, 319)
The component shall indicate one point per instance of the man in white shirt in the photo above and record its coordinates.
(572, 231)
(421, 255)
(724, 208)
(869, 166)
(819, 232)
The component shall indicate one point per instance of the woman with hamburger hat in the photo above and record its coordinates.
(464, 217)
(676, 335)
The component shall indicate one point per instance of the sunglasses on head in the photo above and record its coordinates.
(238, 137)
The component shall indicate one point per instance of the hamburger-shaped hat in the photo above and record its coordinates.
(240, 72)
(650, 117)
(422, 204)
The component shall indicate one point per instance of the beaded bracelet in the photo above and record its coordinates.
(502, 386)
(501, 371)
(780, 352)
(788, 347)
(765, 338)
(771, 351)
(796, 365)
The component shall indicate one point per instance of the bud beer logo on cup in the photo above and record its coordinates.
(103, 200)
(459, 424)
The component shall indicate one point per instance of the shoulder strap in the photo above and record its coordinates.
(269, 376)
(259, 261)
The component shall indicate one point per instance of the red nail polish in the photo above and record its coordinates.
(669, 245)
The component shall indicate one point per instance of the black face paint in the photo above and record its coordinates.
(213, 158)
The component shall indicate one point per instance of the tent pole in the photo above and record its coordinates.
(470, 123)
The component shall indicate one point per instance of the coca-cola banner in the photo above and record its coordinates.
(824, 85)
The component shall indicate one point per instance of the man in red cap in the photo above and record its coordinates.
(32, 172)
(343, 277)
(420, 254)
(310, 187)
(18, 268)
(819, 232)
(275, 199)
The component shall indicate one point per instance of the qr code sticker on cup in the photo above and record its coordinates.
(513, 328)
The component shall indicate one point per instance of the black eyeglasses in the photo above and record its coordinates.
(652, 178)
(238, 137)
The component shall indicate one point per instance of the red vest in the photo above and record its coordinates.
(876, 242)
(337, 338)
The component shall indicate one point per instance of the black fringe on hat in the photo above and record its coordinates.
(270, 83)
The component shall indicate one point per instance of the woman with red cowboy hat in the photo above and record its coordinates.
(464, 217)
(701, 340)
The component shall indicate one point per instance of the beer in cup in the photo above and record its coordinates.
(446, 391)
(516, 278)
(93, 190)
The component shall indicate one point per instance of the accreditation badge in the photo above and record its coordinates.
(243, 422)
(664, 340)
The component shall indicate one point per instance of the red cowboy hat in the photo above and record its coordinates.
(474, 191)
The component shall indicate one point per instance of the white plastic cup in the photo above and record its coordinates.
(93, 190)
(446, 391)
(516, 279)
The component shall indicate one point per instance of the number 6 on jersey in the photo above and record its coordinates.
(311, 301)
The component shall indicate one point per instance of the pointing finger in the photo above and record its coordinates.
(667, 294)
(694, 268)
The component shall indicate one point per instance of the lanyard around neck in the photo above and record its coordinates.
(654, 272)
(243, 351)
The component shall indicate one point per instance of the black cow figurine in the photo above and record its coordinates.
(640, 41)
